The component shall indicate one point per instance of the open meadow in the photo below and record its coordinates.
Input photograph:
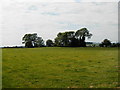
(60, 67)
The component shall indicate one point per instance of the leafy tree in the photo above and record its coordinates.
(115, 44)
(64, 39)
(49, 43)
(27, 39)
(59, 40)
(72, 38)
(39, 42)
(32, 40)
(81, 35)
(106, 43)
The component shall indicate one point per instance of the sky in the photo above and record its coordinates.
(49, 17)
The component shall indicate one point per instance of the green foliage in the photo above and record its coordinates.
(39, 42)
(49, 43)
(81, 34)
(64, 39)
(72, 38)
(28, 40)
(115, 45)
(106, 43)
(59, 67)
(32, 40)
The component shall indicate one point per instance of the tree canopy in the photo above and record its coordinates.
(49, 43)
(73, 39)
(32, 40)
(105, 43)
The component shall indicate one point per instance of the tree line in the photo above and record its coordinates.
(63, 39)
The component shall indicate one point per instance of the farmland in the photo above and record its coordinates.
(60, 67)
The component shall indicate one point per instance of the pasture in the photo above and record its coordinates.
(60, 67)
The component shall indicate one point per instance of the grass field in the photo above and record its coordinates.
(60, 67)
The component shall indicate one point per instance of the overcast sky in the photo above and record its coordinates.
(47, 18)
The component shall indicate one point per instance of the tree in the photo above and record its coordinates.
(49, 43)
(106, 43)
(81, 34)
(39, 42)
(27, 39)
(72, 39)
(32, 40)
(64, 39)
(59, 40)
(115, 44)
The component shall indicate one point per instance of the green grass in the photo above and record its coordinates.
(57, 67)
